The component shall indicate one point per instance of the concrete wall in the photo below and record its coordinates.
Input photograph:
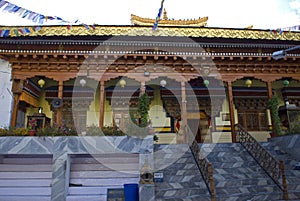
(5, 93)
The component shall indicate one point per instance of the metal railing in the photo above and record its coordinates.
(274, 168)
(204, 165)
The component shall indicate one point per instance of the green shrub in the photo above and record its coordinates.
(56, 131)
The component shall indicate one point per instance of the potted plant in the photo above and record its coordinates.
(32, 123)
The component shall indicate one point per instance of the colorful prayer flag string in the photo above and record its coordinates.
(25, 13)
(33, 16)
(157, 19)
(19, 31)
(285, 30)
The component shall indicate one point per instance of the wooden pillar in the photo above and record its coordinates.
(14, 115)
(183, 111)
(17, 88)
(269, 88)
(231, 111)
(60, 95)
(102, 94)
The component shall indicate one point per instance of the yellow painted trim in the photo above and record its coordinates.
(223, 128)
(162, 129)
(162, 31)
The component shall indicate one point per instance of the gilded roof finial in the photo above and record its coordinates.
(165, 17)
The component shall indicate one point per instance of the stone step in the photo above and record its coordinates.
(92, 175)
(252, 197)
(163, 160)
(240, 164)
(90, 190)
(237, 175)
(254, 171)
(221, 145)
(104, 174)
(292, 175)
(87, 197)
(244, 190)
(180, 185)
(24, 198)
(221, 149)
(103, 182)
(242, 182)
(165, 154)
(189, 172)
(182, 178)
(190, 198)
(25, 191)
(180, 193)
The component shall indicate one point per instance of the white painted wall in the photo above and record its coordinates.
(5, 93)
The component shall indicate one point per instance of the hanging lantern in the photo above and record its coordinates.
(41, 83)
(206, 83)
(286, 83)
(82, 82)
(163, 83)
(248, 83)
(122, 83)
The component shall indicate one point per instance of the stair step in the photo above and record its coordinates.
(190, 198)
(88, 190)
(25, 198)
(248, 190)
(243, 182)
(104, 174)
(234, 164)
(181, 172)
(182, 178)
(25, 191)
(237, 175)
(251, 197)
(240, 170)
(87, 197)
(180, 193)
(180, 185)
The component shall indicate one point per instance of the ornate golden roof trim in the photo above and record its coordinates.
(162, 31)
(201, 22)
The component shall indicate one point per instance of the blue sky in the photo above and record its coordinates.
(262, 14)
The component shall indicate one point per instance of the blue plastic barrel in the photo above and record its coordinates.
(131, 192)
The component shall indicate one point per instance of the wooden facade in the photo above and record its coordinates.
(205, 70)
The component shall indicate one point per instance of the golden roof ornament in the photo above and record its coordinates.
(165, 17)
(165, 21)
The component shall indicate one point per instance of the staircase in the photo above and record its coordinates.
(93, 176)
(237, 175)
(292, 167)
(182, 179)
(25, 177)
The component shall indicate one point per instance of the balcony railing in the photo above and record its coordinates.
(204, 165)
